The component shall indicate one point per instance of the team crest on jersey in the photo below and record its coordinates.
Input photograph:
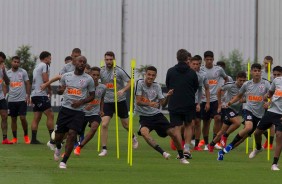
(98, 93)
(151, 94)
(261, 88)
(82, 82)
(20, 75)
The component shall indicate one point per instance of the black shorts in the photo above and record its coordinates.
(3, 104)
(227, 114)
(180, 119)
(211, 113)
(17, 108)
(248, 116)
(109, 109)
(90, 119)
(269, 119)
(158, 122)
(40, 103)
(198, 114)
(69, 119)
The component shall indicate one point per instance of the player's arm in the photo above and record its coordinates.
(218, 94)
(208, 97)
(28, 90)
(45, 78)
(141, 102)
(235, 99)
(123, 90)
(89, 98)
(102, 107)
(48, 83)
(165, 100)
(5, 76)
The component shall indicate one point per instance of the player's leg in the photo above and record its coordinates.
(22, 114)
(278, 149)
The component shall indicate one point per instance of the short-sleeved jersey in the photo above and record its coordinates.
(38, 80)
(17, 88)
(69, 67)
(276, 104)
(203, 81)
(151, 93)
(231, 89)
(1, 83)
(213, 76)
(77, 88)
(255, 96)
(93, 108)
(107, 78)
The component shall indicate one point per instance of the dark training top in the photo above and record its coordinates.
(185, 83)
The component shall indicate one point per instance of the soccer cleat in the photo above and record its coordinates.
(274, 167)
(166, 155)
(201, 143)
(206, 148)
(62, 165)
(184, 161)
(265, 145)
(76, 151)
(57, 154)
(223, 141)
(211, 148)
(14, 140)
(77, 143)
(172, 146)
(51, 146)
(217, 146)
(26, 139)
(103, 153)
(254, 153)
(228, 148)
(193, 142)
(197, 148)
(187, 155)
(35, 142)
(135, 142)
(220, 155)
(6, 141)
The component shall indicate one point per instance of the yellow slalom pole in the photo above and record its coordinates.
(248, 76)
(116, 107)
(130, 132)
(268, 131)
(99, 128)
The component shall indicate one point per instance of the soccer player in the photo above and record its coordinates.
(107, 78)
(93, 110)
(41, 98)
(18, 97)
(229, 115)
(68, 59)
(195, 64)
(272, 116)
(268, 60)
(181, 106)
(149, 97)
(3, 103)
(78, 89)
(253, 111)
(68, 67)
(213, 74)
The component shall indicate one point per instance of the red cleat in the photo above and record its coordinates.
(265, 145)
(6, 141)
(223, 141)
(197, 148)
(201, 143)
(211, 148)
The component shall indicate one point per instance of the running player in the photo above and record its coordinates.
(254, 90)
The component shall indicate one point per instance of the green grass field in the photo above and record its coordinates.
(22, 163)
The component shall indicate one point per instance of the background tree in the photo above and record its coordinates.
(28, 60)
(234, 63)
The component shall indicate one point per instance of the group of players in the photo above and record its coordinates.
(195, 93)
